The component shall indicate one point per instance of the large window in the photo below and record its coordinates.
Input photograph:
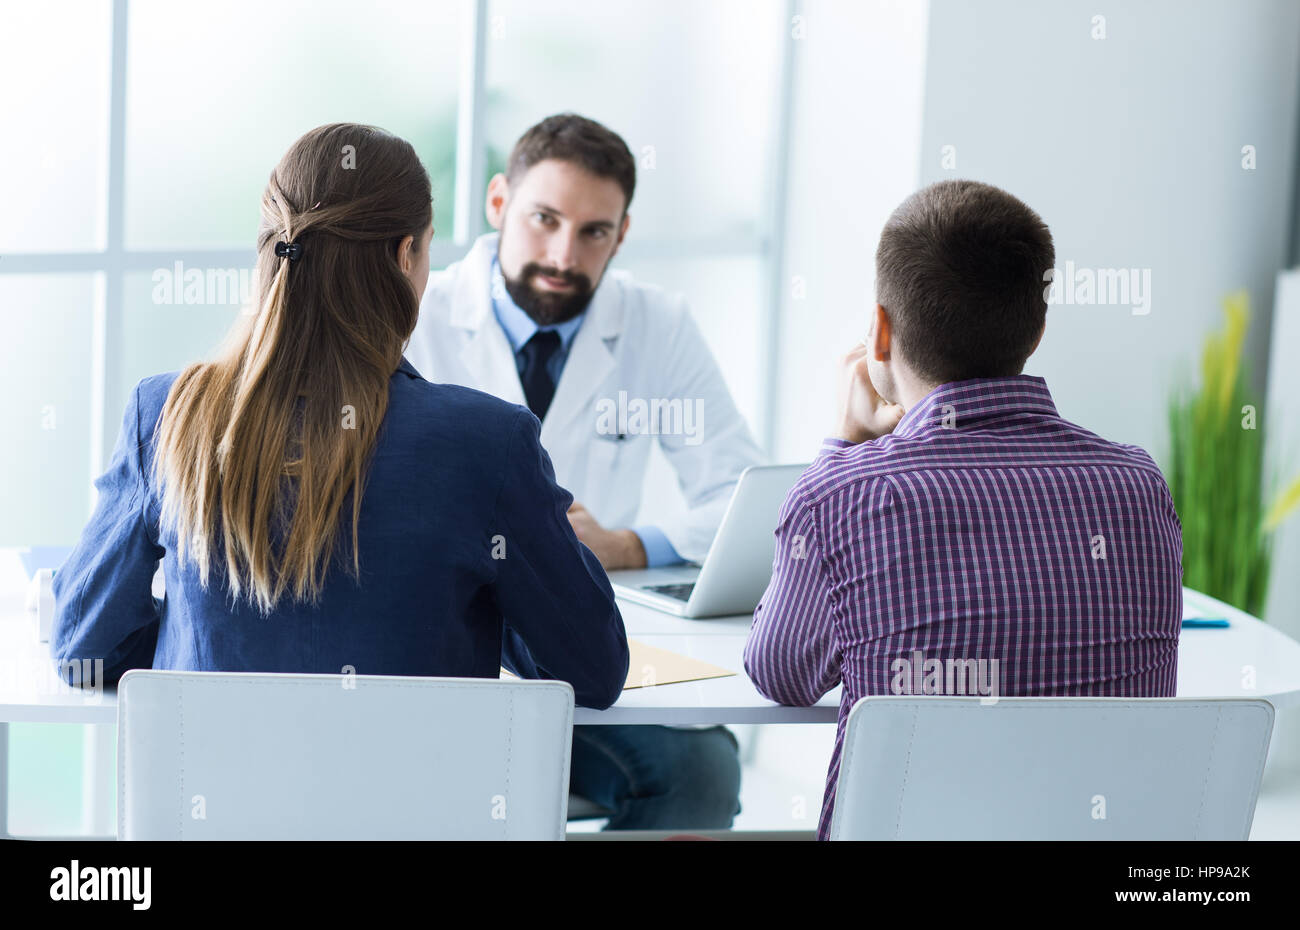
(150, 126)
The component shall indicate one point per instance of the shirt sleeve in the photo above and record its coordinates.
(104, 604)
(792, 654)
(658, 550)
(560, 618)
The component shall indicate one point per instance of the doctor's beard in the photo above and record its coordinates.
(547, 308)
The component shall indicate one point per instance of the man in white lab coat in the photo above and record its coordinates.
(609, 366)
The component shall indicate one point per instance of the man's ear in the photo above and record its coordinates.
(884, 339)
(498, 192)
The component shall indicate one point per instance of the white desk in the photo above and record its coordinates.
(1211, 663)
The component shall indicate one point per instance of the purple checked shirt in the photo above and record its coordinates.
(985, 527)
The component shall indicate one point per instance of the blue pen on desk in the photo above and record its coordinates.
(1199, 622)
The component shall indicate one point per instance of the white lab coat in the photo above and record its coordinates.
(636, 339)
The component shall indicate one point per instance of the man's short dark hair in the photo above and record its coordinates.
(573, 138)
(960, 271)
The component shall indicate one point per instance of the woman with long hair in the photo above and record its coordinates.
(316, 505)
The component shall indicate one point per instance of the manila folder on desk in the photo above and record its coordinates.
(648, 666)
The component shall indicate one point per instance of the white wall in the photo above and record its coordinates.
(1283, 410)
(855, 151)
(1130, 149)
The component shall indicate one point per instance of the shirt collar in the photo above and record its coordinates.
(958, 404)
(518, 325)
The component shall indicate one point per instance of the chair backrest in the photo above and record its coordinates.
(1051, 768)
(212, 755)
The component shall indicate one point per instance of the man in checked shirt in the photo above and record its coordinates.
(955, 515)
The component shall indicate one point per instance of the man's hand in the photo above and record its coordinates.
(615, 548)
(864, 415)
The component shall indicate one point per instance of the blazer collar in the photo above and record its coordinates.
(487, 353)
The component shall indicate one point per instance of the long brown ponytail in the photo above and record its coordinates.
(258, 450)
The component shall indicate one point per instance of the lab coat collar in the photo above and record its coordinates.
(590, 360)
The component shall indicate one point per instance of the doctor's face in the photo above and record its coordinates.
(560, 226)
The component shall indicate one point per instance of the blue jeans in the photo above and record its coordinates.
(658, 778)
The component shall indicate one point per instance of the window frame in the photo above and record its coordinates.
(114, 261)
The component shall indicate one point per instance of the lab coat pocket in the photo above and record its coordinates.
(604, 455)
(605, 452)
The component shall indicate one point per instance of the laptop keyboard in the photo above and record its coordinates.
(681, 592)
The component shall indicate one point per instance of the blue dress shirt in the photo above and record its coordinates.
(519, 327)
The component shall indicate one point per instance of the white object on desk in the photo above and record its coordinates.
(40, 602)
(738, 566)
(40, 599)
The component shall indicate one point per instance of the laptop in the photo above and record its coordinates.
(738, 566)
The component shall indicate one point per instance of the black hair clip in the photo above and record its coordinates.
(290, 250)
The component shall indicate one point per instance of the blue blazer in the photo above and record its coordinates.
(455, 475)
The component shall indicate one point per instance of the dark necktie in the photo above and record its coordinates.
(538, 386)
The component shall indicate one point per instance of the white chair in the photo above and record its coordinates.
(212, 755)
(1051, 768)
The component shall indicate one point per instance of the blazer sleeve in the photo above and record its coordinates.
(713, 446)
(104, 605)
(561, 620)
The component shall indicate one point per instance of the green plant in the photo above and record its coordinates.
(1216, 473)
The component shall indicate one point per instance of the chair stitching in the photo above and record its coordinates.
(510, 729)
(562, 807)
(1209, 764)
(180, 703)
(907, 768)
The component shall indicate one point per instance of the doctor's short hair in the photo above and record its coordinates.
(960, 272)
(581, 141)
